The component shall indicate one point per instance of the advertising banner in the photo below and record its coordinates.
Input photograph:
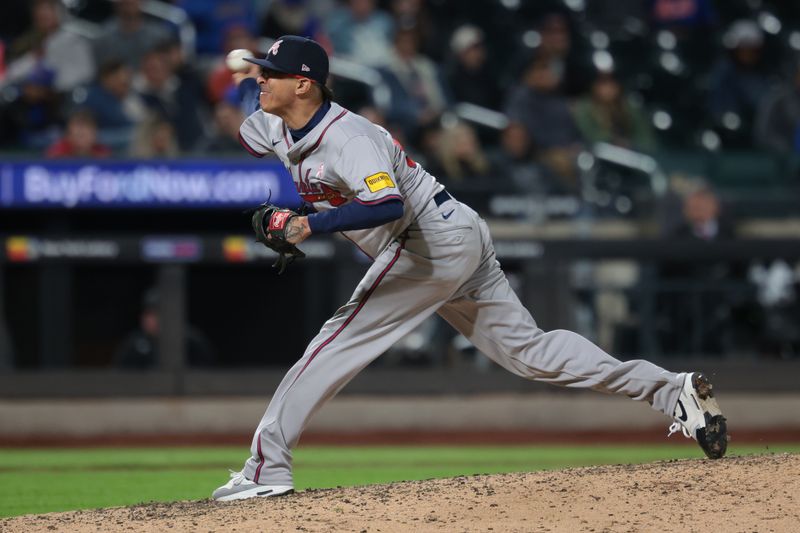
(145, 184)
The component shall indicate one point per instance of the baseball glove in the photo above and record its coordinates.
(269, 222)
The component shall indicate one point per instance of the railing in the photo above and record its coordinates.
(544, 268)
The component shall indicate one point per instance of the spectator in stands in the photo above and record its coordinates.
(702, 217)
(191, 91)
(165, 94)
(33, 120)
(80, 140)
(738, 81)
(361, 32)
(129, 35)
(418, 94)
(294, 17)
(154, 138)
(607, 115)
(415, 14)
(470, 75)
(515, 166)
(213, 18)
(710, 323)
(539, 106)
(140, 350)
(459, 157)
(557, 47)
(778, 119)
(48, 44)
(220, 80)
(116, 108)
(187, 73)
(228, 118)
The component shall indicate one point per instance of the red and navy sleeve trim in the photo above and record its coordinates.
(379, 200)
(249, 149)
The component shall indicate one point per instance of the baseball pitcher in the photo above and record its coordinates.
(431, 254)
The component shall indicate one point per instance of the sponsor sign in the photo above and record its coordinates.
(171, 249)
(20, 249)
(144, 184)
(379, 181)
(238, 249)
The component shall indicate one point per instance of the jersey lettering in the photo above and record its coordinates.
(379, 181)
(317, 192)
(304, 185)
(327, 194)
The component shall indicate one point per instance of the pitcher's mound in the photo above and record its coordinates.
(754, 493)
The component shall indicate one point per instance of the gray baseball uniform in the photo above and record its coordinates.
(438, 258)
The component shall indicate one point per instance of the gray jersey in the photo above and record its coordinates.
(438, 258)
(346, 158)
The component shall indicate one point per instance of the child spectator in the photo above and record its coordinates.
(34, 118)
(80, 140)
(154, 139)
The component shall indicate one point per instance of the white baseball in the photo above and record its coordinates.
(235, 60)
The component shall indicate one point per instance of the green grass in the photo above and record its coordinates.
(46, 480)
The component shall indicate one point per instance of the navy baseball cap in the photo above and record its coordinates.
(296, 55)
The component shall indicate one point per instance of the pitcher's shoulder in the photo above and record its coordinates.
(264, 123)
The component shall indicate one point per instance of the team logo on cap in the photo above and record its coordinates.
(274, 48)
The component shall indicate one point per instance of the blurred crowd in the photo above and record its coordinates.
(147, 79)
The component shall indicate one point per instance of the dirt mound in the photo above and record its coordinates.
(754, 493)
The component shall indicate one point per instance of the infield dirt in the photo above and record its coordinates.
(735, 494)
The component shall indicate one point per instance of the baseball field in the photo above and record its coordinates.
(382, 488)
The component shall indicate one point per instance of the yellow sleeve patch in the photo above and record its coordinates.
(378, 181)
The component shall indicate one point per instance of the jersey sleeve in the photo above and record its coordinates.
(367, 172)
(254, 135)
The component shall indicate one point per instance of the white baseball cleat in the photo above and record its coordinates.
(699, 417)
(241, 488)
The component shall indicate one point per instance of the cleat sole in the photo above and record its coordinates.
(713, 439)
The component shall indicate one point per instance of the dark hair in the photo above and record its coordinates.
(327, 92)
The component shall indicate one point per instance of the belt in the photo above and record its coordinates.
(442, 197)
